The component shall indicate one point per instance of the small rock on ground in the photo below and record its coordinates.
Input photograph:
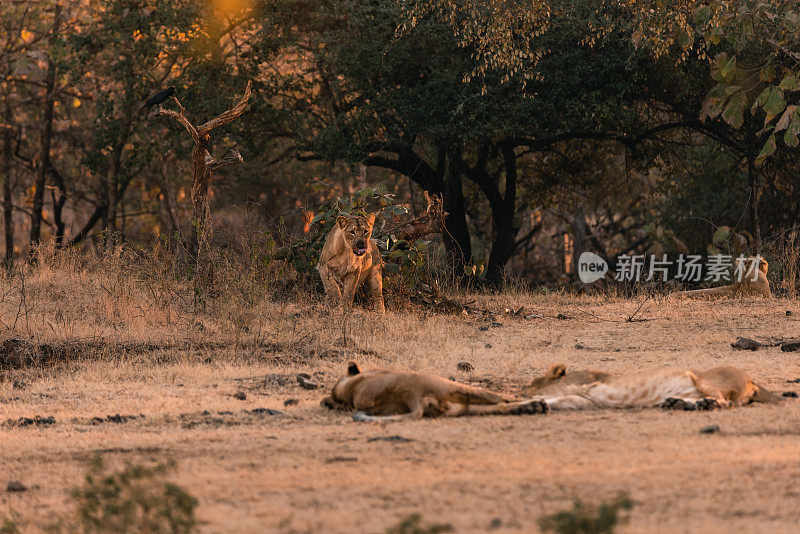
(745, 343)
(465, 367)
(16, 486)
(393, 438)
(305, 381)
(791, 345)
(337, 459)
(710, 429)
(240, 395)
(263, 411)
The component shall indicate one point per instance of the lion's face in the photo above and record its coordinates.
(553, 375)
(357, 232)
(339, 398)
(557, 378)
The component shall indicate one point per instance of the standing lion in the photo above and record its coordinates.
(349, 257)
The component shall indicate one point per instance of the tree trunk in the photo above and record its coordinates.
(203, 166)
(112, 189)
(8, 205)
(45, 141)
(580, 233)
(201, 217)
(752, 175)
(505, 232)
(58, 210)
(456, 233)
(99, 214)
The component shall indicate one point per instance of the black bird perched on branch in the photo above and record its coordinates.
(158, 98)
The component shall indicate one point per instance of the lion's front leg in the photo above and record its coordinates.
(333, 293)
(522, 407)
(350, 284)
(376, 287)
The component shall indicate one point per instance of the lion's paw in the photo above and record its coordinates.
(534, 406)
(676, 403)
(708, 404)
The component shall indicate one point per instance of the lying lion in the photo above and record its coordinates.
(720, 387)
(384, 395)
(746, 287)
(349, 258)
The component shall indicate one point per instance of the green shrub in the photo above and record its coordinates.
(412, 524)
(9, 527)
(135, 499)
(582, 519)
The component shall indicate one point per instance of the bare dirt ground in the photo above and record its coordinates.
(310, 470)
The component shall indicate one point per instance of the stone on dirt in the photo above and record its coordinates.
(16, 486)
(790, 345)
(305, 381)
(745, 343)
(465, 367)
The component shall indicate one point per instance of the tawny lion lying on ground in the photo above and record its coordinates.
(384, 395)
(677, 389)
(746, 287)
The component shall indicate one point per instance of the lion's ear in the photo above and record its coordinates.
(342, 221)
(557, 371)
(371, 219)
(353, 369)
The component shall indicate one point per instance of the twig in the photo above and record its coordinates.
(631, 318)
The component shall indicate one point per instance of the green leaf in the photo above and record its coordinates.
(281, 253)
(727, 69)
(767, 151)
(721, 235)
(702, 15)
(391, 268)
(776, 103)
(762, 98)
(685, 39)
(790, 83)
(733, 113)
(793, 132)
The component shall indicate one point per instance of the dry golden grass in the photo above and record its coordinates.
(310, 470)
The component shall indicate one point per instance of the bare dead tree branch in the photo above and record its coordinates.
(204, 166)
(430, 222)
